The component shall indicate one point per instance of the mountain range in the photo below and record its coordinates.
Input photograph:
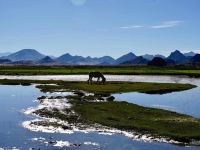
(33, 57)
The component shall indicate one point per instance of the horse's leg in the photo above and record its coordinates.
(98, 80)
(88, 81)
(101, 80)
(91, 80)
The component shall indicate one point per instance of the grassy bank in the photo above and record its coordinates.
(130, 117)
(119, 87)
(109, 87)
(120, 70)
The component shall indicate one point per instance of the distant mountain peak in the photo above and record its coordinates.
(25, 54)
(88, 57)
(136, 61)
(159, 55)
(46, 60)
(130, 53)
(177, 51)
(190, 54)
(28, 50)
(127, 57)
(67, 54)
(177, 56)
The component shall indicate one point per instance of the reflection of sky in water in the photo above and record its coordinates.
(13, 99)
(131, 78)
(187, 102)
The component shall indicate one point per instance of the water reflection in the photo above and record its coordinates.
(186, 102)
(131, 78)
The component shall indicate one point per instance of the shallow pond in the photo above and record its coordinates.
(14, 99)
(186, 102)
(131, 78)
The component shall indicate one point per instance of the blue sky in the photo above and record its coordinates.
(100, 27)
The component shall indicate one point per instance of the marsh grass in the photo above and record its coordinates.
(131, 117)
(119, 87)
(120, 70)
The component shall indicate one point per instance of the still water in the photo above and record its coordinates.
(14, 99)
(186, 102)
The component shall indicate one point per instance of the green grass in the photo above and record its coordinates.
(129, 70)
(109, 87)
(131, 117)
(119, 87)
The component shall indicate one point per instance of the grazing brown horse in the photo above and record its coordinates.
(97, 75)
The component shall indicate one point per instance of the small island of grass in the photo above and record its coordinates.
(119, 87)
(109, 87)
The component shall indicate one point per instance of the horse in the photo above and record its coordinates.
(97, 75)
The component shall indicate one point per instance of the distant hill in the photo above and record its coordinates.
(106, 59)
(178, 57)
(148, 57)
(161, 56)
(190, 54)
(46, 60)
(79, 60)
(4, 54)
(5, 61)
(170, 62)
(25, 54)
(64, 58)
(137, 61)
(157, 61)
(128, 57)
(23, 62)
(104, 64)
(69, 59)
(195, 59)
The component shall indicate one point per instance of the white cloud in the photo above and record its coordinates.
(131, 27)
(162, 25)
(167, 24)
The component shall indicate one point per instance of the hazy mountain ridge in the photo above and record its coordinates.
(190, 54)
(4, 54)
(137, 61)
(33, 57)
(25, 54)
